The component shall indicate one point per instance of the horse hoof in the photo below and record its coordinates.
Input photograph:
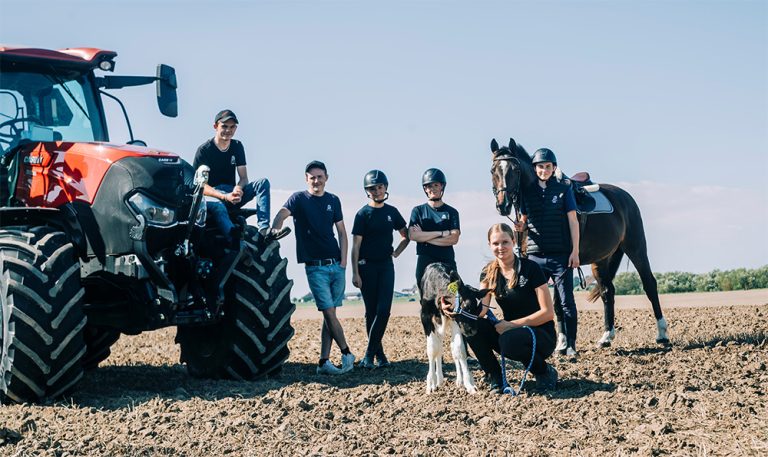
(471, 389)
(664, 341)
(603, 344)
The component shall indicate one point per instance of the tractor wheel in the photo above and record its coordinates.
(41, 315)
(251, 340)
(98, 341)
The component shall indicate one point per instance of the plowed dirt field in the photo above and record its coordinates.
(705, 394)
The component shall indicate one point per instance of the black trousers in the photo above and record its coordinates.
(423, 261)
(378, 284)
(556, 267)
(515, 344)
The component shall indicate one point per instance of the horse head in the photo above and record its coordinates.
(511, 169)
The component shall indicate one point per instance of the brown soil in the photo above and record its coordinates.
(704, 395)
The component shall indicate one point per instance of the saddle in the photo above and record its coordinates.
(589, 198)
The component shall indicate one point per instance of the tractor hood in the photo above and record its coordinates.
(55, 173)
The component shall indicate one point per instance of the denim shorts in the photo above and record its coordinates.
(326, 283)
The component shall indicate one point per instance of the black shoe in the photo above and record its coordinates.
(271, 235)
(548, 379)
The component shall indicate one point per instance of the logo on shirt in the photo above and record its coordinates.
(554, 199)
(232, 161)
(522, 281)
(389, 218)
(444, 216)
(328, 208)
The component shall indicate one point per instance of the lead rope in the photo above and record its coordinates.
(506, 388)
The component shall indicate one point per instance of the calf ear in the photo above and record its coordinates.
(512, 144)
(494, 145)
(454, 277)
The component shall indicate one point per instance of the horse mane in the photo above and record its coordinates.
(518, 151)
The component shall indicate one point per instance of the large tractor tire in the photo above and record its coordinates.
(251, 340)
(98, 342)
(41, 315)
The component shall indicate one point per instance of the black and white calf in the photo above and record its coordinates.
(439, 323)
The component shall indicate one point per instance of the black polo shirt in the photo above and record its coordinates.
(376, 225)
(222, 163)
(437, 219)
(314, 218)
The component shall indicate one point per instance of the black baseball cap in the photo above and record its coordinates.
(224, 116)
(315, 164)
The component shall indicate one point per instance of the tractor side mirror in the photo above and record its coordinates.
(167, 100)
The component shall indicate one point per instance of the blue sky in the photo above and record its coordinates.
(668, 99)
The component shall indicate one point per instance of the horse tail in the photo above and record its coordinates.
(594, 294)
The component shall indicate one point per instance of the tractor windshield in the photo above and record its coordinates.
(40, 104)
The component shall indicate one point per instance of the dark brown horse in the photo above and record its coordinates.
(605, 238)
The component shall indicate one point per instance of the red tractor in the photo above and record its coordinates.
(99, 239)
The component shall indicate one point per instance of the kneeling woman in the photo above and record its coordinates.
(520, 289)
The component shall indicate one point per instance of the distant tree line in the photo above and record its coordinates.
(679, 281)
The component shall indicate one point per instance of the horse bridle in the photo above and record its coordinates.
(517, 170)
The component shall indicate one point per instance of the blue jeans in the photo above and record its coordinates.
(326, 283)
(218, 211)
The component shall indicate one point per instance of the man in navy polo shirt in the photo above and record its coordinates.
(315, 213)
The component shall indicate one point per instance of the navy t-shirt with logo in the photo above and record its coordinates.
(376, 225)
(314, 218)
(437, 219)
(222, 163)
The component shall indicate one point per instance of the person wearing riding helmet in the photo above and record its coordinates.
(434, 225)
(373, 271)
(549, 211)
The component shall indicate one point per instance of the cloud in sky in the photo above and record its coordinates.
(697, 229)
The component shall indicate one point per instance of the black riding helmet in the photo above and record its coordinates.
(374, 178)
(544, 155)
(434, 175)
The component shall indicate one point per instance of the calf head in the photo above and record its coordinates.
(469, 307)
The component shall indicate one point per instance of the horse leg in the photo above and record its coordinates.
(639, 257)
(604, 271)
(459, 351)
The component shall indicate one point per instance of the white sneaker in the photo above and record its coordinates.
(328, 368)
(347, 362)
(562, 343)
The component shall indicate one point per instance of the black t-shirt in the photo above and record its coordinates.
(222, 163)
(313, 219)
(521, 300)
(435, 220)
(376, 225)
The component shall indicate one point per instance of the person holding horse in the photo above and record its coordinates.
(548, 210)
(434, 225)
(526, 333)
(372, 269)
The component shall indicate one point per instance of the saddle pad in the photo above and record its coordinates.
(602, 204)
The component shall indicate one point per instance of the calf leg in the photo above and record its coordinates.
(435, 356)
(459, 352)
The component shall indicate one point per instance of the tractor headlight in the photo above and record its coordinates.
(153, 212)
